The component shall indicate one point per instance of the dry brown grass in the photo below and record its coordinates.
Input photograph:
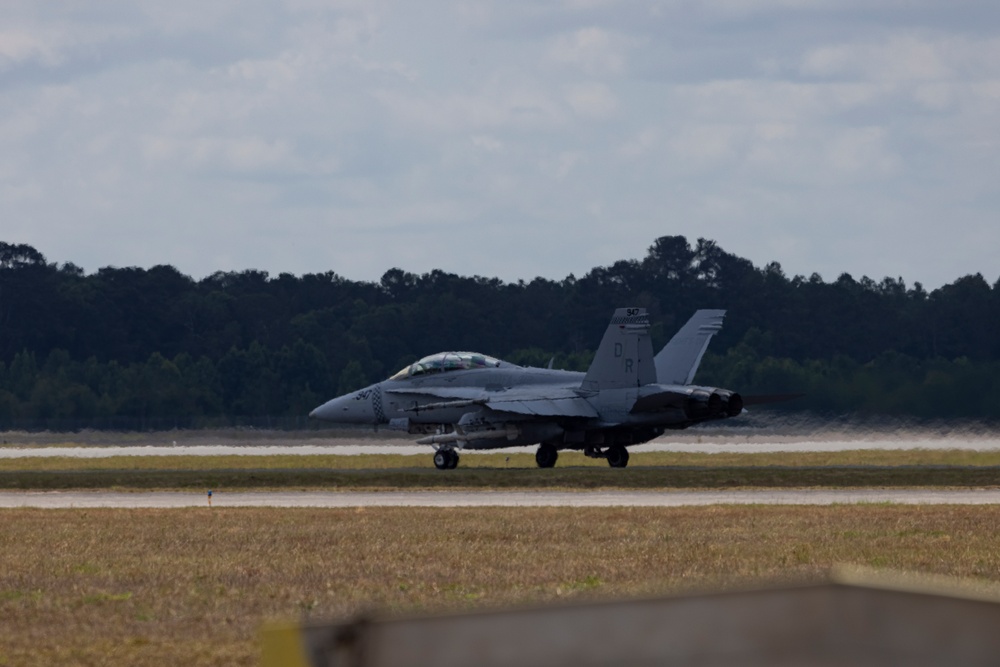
(151, 587)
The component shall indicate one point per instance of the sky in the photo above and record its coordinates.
(502, 138)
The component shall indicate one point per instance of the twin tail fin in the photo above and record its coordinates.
(625, 356)
(678, 361)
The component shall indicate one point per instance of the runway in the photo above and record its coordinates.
(335, 499)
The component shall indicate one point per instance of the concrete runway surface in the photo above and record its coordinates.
(90, 499)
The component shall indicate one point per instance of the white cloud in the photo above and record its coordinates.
(934, 95)
(901, 58)
(228, 153)
(592, 100)
(19, 46)
(397, 68)
(487, 143)
(566, 162)
(731, 9)
(907, 58)
(594, 51)
(497, 105)
(862, 153)
(699, 145)
(774, 101)
(640, 144)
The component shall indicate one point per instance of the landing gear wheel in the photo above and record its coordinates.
(617, 457)
(546, 456)
(445, 459)
(441, 459)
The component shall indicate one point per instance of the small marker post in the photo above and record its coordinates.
(210, 497)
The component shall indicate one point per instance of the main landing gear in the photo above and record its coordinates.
(445, 459)
(616, 455)
(546, 456)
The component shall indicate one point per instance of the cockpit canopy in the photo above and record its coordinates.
(443, 362)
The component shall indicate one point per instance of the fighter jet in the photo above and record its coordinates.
(466, 400)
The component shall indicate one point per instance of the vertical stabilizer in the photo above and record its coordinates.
(625, 357)
(678, 361)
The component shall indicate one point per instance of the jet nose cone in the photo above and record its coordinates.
(353, 408)
(336, 409)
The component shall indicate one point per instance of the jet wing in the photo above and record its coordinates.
(550, 406)
(556, 401)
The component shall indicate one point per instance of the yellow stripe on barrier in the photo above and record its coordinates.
(282, 646)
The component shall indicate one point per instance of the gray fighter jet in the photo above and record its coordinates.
(465, 400)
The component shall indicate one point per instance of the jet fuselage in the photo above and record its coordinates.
(466, 400)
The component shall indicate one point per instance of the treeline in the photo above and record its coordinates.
(153, 346)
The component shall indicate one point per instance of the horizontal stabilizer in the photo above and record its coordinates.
(678, 361)
(666, 398)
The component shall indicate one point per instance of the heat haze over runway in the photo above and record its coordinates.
(161, 445)
(337, 499)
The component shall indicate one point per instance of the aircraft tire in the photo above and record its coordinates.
(442, 459)
(546, 456)
(617, 457)
(452, 459)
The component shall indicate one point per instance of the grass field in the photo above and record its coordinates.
(893, 468)
(193, 586)
(154, 587)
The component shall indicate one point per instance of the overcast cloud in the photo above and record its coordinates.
(508, 138)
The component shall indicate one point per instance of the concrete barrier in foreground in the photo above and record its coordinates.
(853, 617)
